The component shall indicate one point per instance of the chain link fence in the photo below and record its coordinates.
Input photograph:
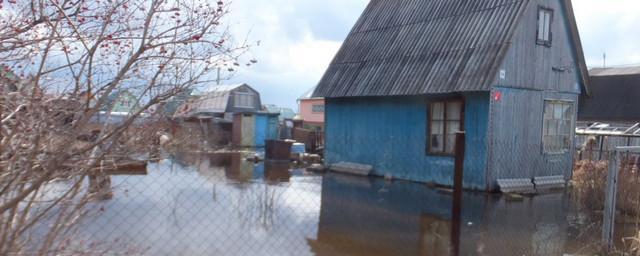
(223, 204)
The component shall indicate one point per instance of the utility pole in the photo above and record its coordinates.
(604, 59)
(218, 77)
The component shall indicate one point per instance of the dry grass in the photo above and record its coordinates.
(590, 181)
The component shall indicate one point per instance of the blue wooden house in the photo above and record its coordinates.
(412, 73)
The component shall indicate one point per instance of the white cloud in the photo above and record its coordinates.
(609, 26)
(298, 40)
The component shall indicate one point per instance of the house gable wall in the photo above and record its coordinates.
(533, 66)
(257, 104)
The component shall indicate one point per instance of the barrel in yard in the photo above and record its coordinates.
(278, 150)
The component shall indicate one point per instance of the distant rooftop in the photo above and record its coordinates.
(619, 71)
(308, 94)
(215, 88)
(614, 94)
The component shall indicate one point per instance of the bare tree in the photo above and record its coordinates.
(62, 59)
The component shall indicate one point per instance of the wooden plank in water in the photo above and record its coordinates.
(352, 168)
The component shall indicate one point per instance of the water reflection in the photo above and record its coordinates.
(211, 204)
(371, 217)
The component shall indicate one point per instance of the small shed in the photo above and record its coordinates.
(614, 96)
(253, 129)
(413, 73)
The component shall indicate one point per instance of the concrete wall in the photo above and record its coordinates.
(390, 133)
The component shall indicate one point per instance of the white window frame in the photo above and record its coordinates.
(564, 138)
(314, 108)
(447, 119)
(244, 100)
(544, 35)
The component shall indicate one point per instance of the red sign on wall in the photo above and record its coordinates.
(497, 96)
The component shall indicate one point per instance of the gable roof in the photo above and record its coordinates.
(217, 89)
(417, 47)
(614, 94)
(215, 99)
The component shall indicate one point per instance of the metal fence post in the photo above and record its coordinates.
(456, 212)
(610, 200)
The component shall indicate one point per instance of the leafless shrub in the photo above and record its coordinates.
(61, 61)
(590, 182)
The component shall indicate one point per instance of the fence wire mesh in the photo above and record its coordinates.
(224, 204)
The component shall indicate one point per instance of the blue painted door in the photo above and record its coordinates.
(261, 130)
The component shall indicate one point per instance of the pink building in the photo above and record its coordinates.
(311, 109)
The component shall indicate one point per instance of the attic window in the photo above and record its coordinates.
(445, 119)
(244, 100)
(545, 18)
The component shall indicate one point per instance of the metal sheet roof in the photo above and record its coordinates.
(418, 47)
(415, 47)
(619, 71)
(613, 98)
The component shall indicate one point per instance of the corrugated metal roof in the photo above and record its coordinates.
(214, 99)
(216, 89)
(415, 47)
(613, 98)
(620, 71)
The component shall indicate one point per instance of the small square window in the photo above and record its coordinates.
(317, 108)
(545, 19)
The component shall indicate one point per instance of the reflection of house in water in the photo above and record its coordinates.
(371, 217)
(232, 167)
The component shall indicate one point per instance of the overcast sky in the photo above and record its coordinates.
(300, 37)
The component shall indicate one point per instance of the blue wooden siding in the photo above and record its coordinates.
(390, 134)
(262, 124)
(266, 129)
(516, 136)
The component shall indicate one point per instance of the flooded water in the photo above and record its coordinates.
(223, 205)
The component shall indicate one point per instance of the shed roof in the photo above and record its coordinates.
(619, 71)
(417, 47)
(215, 99)
(614, 98)
(216, 89)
